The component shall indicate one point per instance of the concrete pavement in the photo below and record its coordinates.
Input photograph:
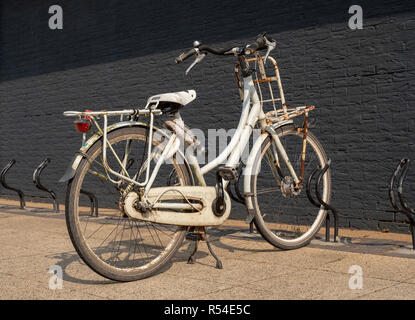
(31, 242)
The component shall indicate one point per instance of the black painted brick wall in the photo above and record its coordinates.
(113, 53)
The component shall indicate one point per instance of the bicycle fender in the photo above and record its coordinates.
(71, 170)
(249, 171)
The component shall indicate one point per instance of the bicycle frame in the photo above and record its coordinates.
(250, 117)
(232, 153)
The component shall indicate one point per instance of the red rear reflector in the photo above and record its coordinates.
(82, 125)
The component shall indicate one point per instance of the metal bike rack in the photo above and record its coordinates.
(94, 202)
(38, 184)
(400, 174)
(237, 196)
(6, 186)
(320, 202)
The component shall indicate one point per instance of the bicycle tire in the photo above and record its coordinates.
(73, 219)
(265, 228)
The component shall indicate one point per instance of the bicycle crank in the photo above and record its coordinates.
(177, 205)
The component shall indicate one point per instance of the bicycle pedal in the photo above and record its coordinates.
(228, 173)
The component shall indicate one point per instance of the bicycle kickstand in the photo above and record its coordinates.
(196, 234)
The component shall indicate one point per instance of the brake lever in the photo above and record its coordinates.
(199, 57)
(270, 46)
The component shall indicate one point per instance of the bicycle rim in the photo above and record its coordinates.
(285, 219)
(112, 244)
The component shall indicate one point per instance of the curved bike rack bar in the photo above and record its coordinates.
(6, 186)
(320, 202)
(38, 184)
(400, 174)
(94, 202)
(237, 196)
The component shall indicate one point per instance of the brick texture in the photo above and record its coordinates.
(117, 53)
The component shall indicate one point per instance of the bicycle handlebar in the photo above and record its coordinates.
(224, 52)
(259, 44)
(202, 48)
(185, 56)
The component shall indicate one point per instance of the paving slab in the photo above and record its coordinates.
(403, 291)
(253, 269)
(13, 288)
(316, 284)
(375, 266)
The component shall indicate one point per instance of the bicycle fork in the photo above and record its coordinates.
(273, 157)
(275, 166)
(283, 153)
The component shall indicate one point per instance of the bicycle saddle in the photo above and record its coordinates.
(173, 100)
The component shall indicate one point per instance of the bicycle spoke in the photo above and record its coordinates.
(267, 190)
(118, 241)
(285, 210)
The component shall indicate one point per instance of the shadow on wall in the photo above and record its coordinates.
(96, 32)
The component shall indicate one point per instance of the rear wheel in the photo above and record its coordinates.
(116, 246)
(283, 216)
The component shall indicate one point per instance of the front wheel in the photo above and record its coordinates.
(284, 216)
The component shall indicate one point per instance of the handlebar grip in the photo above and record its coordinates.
(259, 44)
(185, 56)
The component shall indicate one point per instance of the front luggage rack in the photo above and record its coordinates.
(280, 110)
(280, 115)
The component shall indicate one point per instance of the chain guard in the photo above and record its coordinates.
(202, 197)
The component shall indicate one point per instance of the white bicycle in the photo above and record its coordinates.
(152, 191)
